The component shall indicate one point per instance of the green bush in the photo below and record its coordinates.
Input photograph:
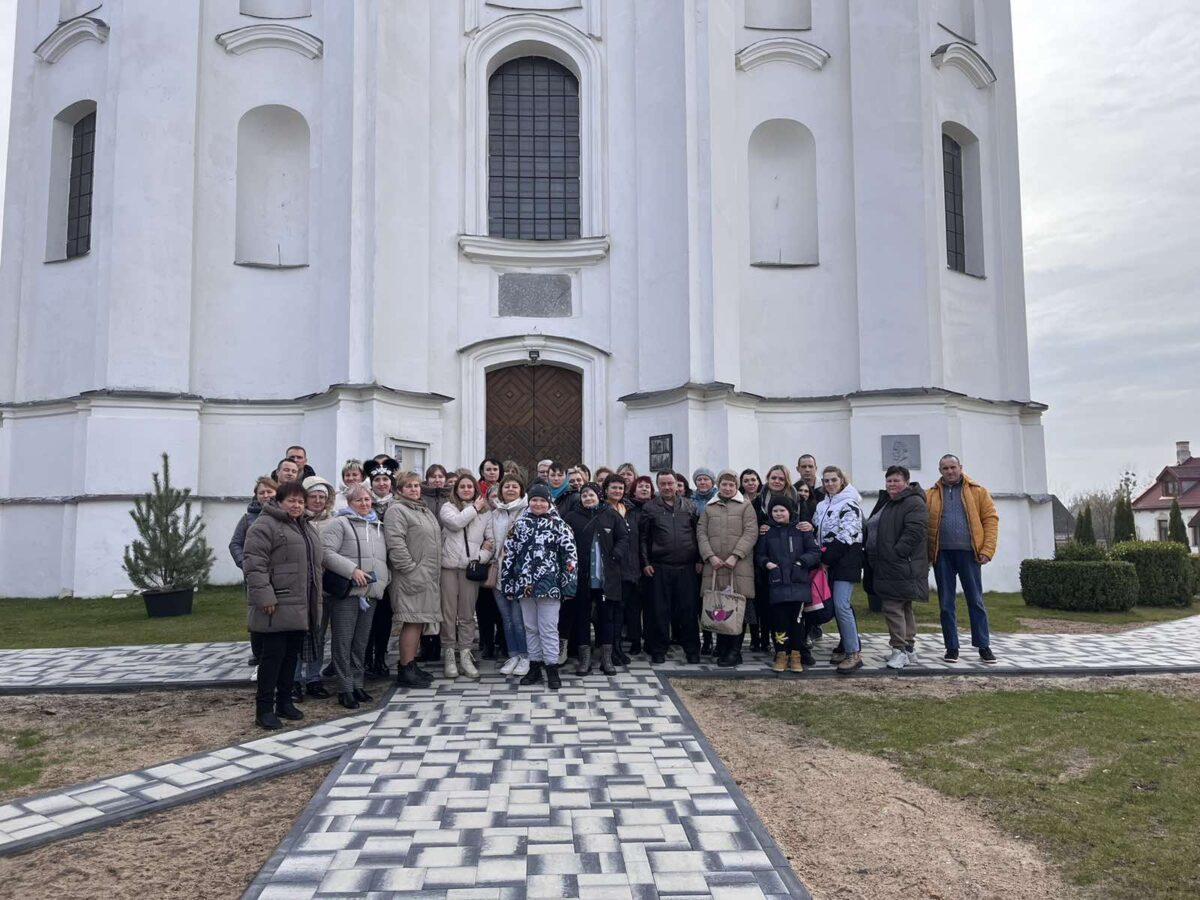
(1074, 551)
(1082, 586)
(1194, 561)
(1163, 568)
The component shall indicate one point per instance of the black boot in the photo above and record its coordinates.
(348, 700)
(285, 709)
(408, 677)
(635, 647)
(328, 671)
(535, 674)
(487, 648)
(552, 680)
(266, 718)
(619, 656)
(425, 676)
(316, 689)
(297, 693)
(362, 696)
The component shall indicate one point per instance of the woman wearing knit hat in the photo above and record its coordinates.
(727, 532)
(380, 474)
(318, 510)
(600, 538)
(787, 555)
(539, 569)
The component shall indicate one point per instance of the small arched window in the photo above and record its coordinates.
(272, 188)
(783, 195)
(533, 151)
(962, 189)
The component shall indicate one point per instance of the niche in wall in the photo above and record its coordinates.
(272, 188)
(783, 195)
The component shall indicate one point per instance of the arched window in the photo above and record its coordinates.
(962, 190)
(783, 195)
(533, 151)
(272, 188)
(72, 174)
(779, 15)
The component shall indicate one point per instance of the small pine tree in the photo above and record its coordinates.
(1123, 527)
(1084, 532)
(1175, 530)
(172, 551)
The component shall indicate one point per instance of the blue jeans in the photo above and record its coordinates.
(513, 624)
(847, 627)
(963, 565)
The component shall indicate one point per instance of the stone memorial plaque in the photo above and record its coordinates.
(901, 450)
(535, 296)
(662, 452)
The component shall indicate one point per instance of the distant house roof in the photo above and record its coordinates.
(1186, 475)
(1064, 522)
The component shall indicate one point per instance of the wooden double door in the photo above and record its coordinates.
(535, 412)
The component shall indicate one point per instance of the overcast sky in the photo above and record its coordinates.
(1108, 101)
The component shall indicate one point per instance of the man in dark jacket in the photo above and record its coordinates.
(806, 467)
(671, 556)
(897, 549)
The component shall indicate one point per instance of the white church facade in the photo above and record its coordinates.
(451, 228)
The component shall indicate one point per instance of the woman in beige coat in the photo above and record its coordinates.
(727, 532)
(414, 555)
(465, 517)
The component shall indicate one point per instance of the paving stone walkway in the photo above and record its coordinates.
(1168, 645)
(32, 821)
(604, 789)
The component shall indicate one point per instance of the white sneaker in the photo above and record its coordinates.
(509, 665)
(912, 656)
(522, 666)
(898, 659)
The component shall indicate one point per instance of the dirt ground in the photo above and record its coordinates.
(91, 736)
(1066, 626)
(212, 848)
(879, 834)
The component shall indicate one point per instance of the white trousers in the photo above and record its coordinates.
(541, 628)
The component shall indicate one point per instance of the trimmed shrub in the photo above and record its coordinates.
(1163, 569)
(1074, 551)
(1194, 561)
(1082, 586)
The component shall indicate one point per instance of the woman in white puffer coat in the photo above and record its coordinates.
(464, 518)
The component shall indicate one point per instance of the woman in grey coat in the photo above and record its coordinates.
(414, 554)
(354, 549)
(283, 566)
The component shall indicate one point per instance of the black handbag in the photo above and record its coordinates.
(339, 586)
(476, 570)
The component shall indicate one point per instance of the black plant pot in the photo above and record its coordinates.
(176, 602)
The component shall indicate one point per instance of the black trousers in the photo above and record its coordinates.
(277, 669)
(762, 608)
(633, 598)
(256, 645)
(676, 598)
(491, 629)
(786, 632)
(381, 634)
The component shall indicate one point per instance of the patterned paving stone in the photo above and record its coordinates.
(1171, 644)
(602, 789)
(32, 821)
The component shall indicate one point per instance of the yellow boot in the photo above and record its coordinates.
(781, 662)
(794, 662)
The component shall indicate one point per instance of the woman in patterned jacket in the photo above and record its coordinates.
(539, 571)
(838, 522)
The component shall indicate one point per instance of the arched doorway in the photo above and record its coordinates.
(535, 412)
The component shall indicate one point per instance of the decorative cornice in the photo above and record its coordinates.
(967, 60)
(504, 252)
(68, 34)
(781, 49)
(271, 35)
(720, 389)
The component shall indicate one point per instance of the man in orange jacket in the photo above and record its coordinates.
(963, 527)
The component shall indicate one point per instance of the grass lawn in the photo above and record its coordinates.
(21, 758)
(1105, 782)
(218, 614)
(1005, 609)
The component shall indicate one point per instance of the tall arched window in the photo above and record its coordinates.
(962, 187)
(533, 151)
(783, 195)
(72, 164)
(272, 188)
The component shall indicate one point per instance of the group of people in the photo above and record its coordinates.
(596, 567)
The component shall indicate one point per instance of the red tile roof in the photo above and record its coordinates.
(1188, 476)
